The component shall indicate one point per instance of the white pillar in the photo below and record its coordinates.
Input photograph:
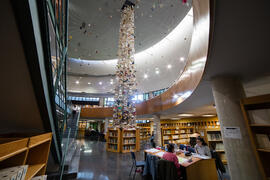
(157, 130)
(101, 101)
(241, 158)
(106, 124)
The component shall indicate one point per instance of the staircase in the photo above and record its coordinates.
(72, 123)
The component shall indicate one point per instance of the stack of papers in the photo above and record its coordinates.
(160, 154)
(201, 156)
(181, 160)
(153, 150)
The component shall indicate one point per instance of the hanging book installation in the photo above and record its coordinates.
(124, 108)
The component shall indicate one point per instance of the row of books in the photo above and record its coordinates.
(130, 141)
(112, 146)
(113, 140)
(179, 141)
(130, 147)
(263, 141)
(113, 134)
(220, 146)
(129, 134)
(214, 136)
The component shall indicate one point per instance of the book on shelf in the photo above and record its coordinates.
(130, 141)
(129, 134)
(214, 136)
(259, 116)
(219, 147)
(183, 136)
(263, 141)
(113, 146)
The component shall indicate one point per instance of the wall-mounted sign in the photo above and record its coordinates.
(232, 132)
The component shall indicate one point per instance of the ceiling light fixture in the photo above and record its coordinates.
(169, 66)
(100, 83)
(77, 82)
(185, 115)
(208, 115)
(89, 83)
(145, 76)
(182, 59)
(111, 82)
(157, 71)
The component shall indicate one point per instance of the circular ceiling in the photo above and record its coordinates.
(157, 67)
(94, 25)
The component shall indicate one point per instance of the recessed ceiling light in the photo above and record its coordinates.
(111, 82)
(89, 83)
(169, 66)
(100, 83)
(77, 82)
(208, 115)
(182, 59)
(185, 115)
(145, 76)
(157, 71)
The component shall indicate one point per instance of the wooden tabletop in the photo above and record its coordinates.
(182, 155)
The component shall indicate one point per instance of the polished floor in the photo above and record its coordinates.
(95, 163)
(98, 164)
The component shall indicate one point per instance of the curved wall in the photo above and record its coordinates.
(190, 77)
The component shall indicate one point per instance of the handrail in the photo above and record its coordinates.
(78, 118)
(64, 155)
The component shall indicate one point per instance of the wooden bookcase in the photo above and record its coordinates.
(113, 140)
(145, 131)
(123, 140)
(176, 135)
(215, 142)
(32, 151)
(259, 129)
(130, 140)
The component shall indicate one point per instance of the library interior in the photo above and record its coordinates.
(135, 90)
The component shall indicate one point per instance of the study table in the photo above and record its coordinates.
(197, 169)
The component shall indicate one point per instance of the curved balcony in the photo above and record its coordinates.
(187, 81)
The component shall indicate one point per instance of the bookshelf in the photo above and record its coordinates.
(123, 140)
(176, 135)
(16, 150)
(113, 140)
(256, 113)
(145, 130)
(130, 140)
(215, 142)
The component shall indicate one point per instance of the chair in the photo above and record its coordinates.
(166, 170)
(182, 146)
(136, 164)
(219, 165)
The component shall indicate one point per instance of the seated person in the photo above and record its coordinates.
(192, 139)
(171, 156)
(201, 147)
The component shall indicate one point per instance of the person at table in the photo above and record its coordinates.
(171, 156)
(201, 147)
